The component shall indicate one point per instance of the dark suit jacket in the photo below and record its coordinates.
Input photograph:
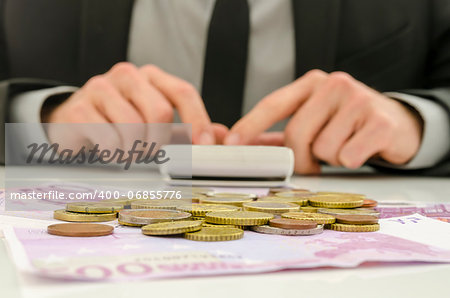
(391, 45)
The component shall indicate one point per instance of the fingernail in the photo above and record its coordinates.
(206, 138)
(348, 162)
(232, 139)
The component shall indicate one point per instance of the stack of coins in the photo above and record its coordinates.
(90, 211)
(355, 223)
(273, 207)
(325, 206)
(290, 227)
(142, 217)
(228, 198)
(199, 211)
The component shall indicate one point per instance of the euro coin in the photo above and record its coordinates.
(171, 228)
(317, 217)
(278, 231)
(83, 217)
(354, 228)
(199, 210)
(158, 204)
(368, 203)
(310, 209)
(335, 201)
(275, 190)
(215, 234)
(129, 224)
(294, 194)
(94, 207)
(270, 207)
(292, 224)
(356, 219)
(125, 202)
(302, 201)
(208, 225)
(340, 194)
(80, 229)
(358, 211)
(238, 218)
(234, 201)
(149, 216)
(232, 195)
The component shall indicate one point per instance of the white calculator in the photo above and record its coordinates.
(217, 165)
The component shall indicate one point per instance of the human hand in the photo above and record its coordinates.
(336, 119)
(127, 94)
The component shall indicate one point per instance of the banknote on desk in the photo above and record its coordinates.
(127, 254)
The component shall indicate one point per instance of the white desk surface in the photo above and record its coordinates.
(393, 280)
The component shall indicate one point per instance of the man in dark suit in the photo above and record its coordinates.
(360, 80)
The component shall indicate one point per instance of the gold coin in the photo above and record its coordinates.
(275, 190)
(336, 201)
(341, 194)
(359, 211)
(202, 209)
(129, 224)
(354, 228)
(270, 207)
(94, 207)
(233, 195)
(171, 228)
(294, 194)
(208, 225)
(302, 201)
(234, 201)
(238, 218)
(149, 216)
(83, 217)
(158, 204)
(125, 202)
(215, 234)
(317, 217)
(309, 209)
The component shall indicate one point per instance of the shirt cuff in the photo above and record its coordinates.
(436, 129)
(26, 107)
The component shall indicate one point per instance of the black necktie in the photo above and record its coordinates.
(225, 61)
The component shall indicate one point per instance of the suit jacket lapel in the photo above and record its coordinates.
(316, 26)
(104, 35)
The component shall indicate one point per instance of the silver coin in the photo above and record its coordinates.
(278, 231)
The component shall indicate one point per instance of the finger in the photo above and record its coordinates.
(186, 100)
(275, 107)
(269, 139)
(364, 144)
(349, 118)
(110, 102)
(116, 109)
(220, 132)
(93, 129)
(311, 118)
(134, 86)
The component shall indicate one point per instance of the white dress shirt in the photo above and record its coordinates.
(172, 34)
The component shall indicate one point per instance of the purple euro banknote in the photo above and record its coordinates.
(128, 254)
